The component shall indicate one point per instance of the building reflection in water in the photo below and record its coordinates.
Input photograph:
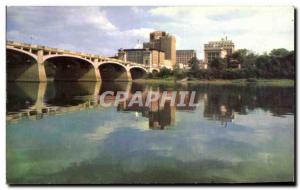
(159, 116)
(37, 100)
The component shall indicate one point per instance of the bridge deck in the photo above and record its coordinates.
(49, 50)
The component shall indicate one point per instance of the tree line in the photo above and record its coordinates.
(278, 63)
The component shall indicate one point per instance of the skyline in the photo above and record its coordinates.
(80, 28)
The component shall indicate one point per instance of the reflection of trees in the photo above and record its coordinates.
(220, 102)
(223, 101)
(280, 101)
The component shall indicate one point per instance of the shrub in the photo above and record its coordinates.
(179, 74)
(165, 73)
(251, 80)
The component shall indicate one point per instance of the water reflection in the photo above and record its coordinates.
(73, 139)
(223, 103)
(36, 100)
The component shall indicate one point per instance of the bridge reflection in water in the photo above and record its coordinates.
(37, 100)
(117, 144)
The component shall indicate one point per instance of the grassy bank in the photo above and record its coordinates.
(260, 82)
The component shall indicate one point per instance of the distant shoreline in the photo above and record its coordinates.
(260, 82)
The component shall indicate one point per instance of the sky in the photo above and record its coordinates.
(103, 30)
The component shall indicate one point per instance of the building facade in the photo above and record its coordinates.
(184, 56)
(149, 57)
(202, 64)
(218, 49)
(162, 41)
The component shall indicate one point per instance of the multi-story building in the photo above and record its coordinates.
(202, 64)
(162, 41)
(183, 57)
(218, 49)
(150, 57)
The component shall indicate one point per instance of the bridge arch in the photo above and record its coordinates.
(137, 72)
(113, 71)
(66, 67)
(21, 65)
(22, 51)
(46, 57)
(154, 71)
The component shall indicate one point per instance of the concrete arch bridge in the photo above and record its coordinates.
(28, 62)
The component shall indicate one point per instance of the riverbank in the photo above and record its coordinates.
(260, 82)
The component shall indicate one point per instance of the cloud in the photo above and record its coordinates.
(86, 29)
(132, 38)
(58, 17)
(272, 27)
(141, 32)
(103, 30)
(90, 15)
(137, 10)
(74, 28)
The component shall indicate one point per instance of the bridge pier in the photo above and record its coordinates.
(39, 104)
(97, 72)
(28, 62)
(41, 66)
(129, 77)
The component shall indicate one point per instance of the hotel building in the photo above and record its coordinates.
(162, 41)
(183, 57)
(149, 57)
(218, 49)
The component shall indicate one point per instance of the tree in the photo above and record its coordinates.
(279, 63)
(218, 64)
(244, 57)
(281, 52)
(179, 73)
(194, 64)
(283, 63)
(165, 72)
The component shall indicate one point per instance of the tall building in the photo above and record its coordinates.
(165, 42)
(218, 49)
(150, 57)
(184, 56)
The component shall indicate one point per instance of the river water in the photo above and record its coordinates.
(58, 133)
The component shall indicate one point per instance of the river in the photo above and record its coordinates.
(58, 133)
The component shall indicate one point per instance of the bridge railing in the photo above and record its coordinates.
(62, 51)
